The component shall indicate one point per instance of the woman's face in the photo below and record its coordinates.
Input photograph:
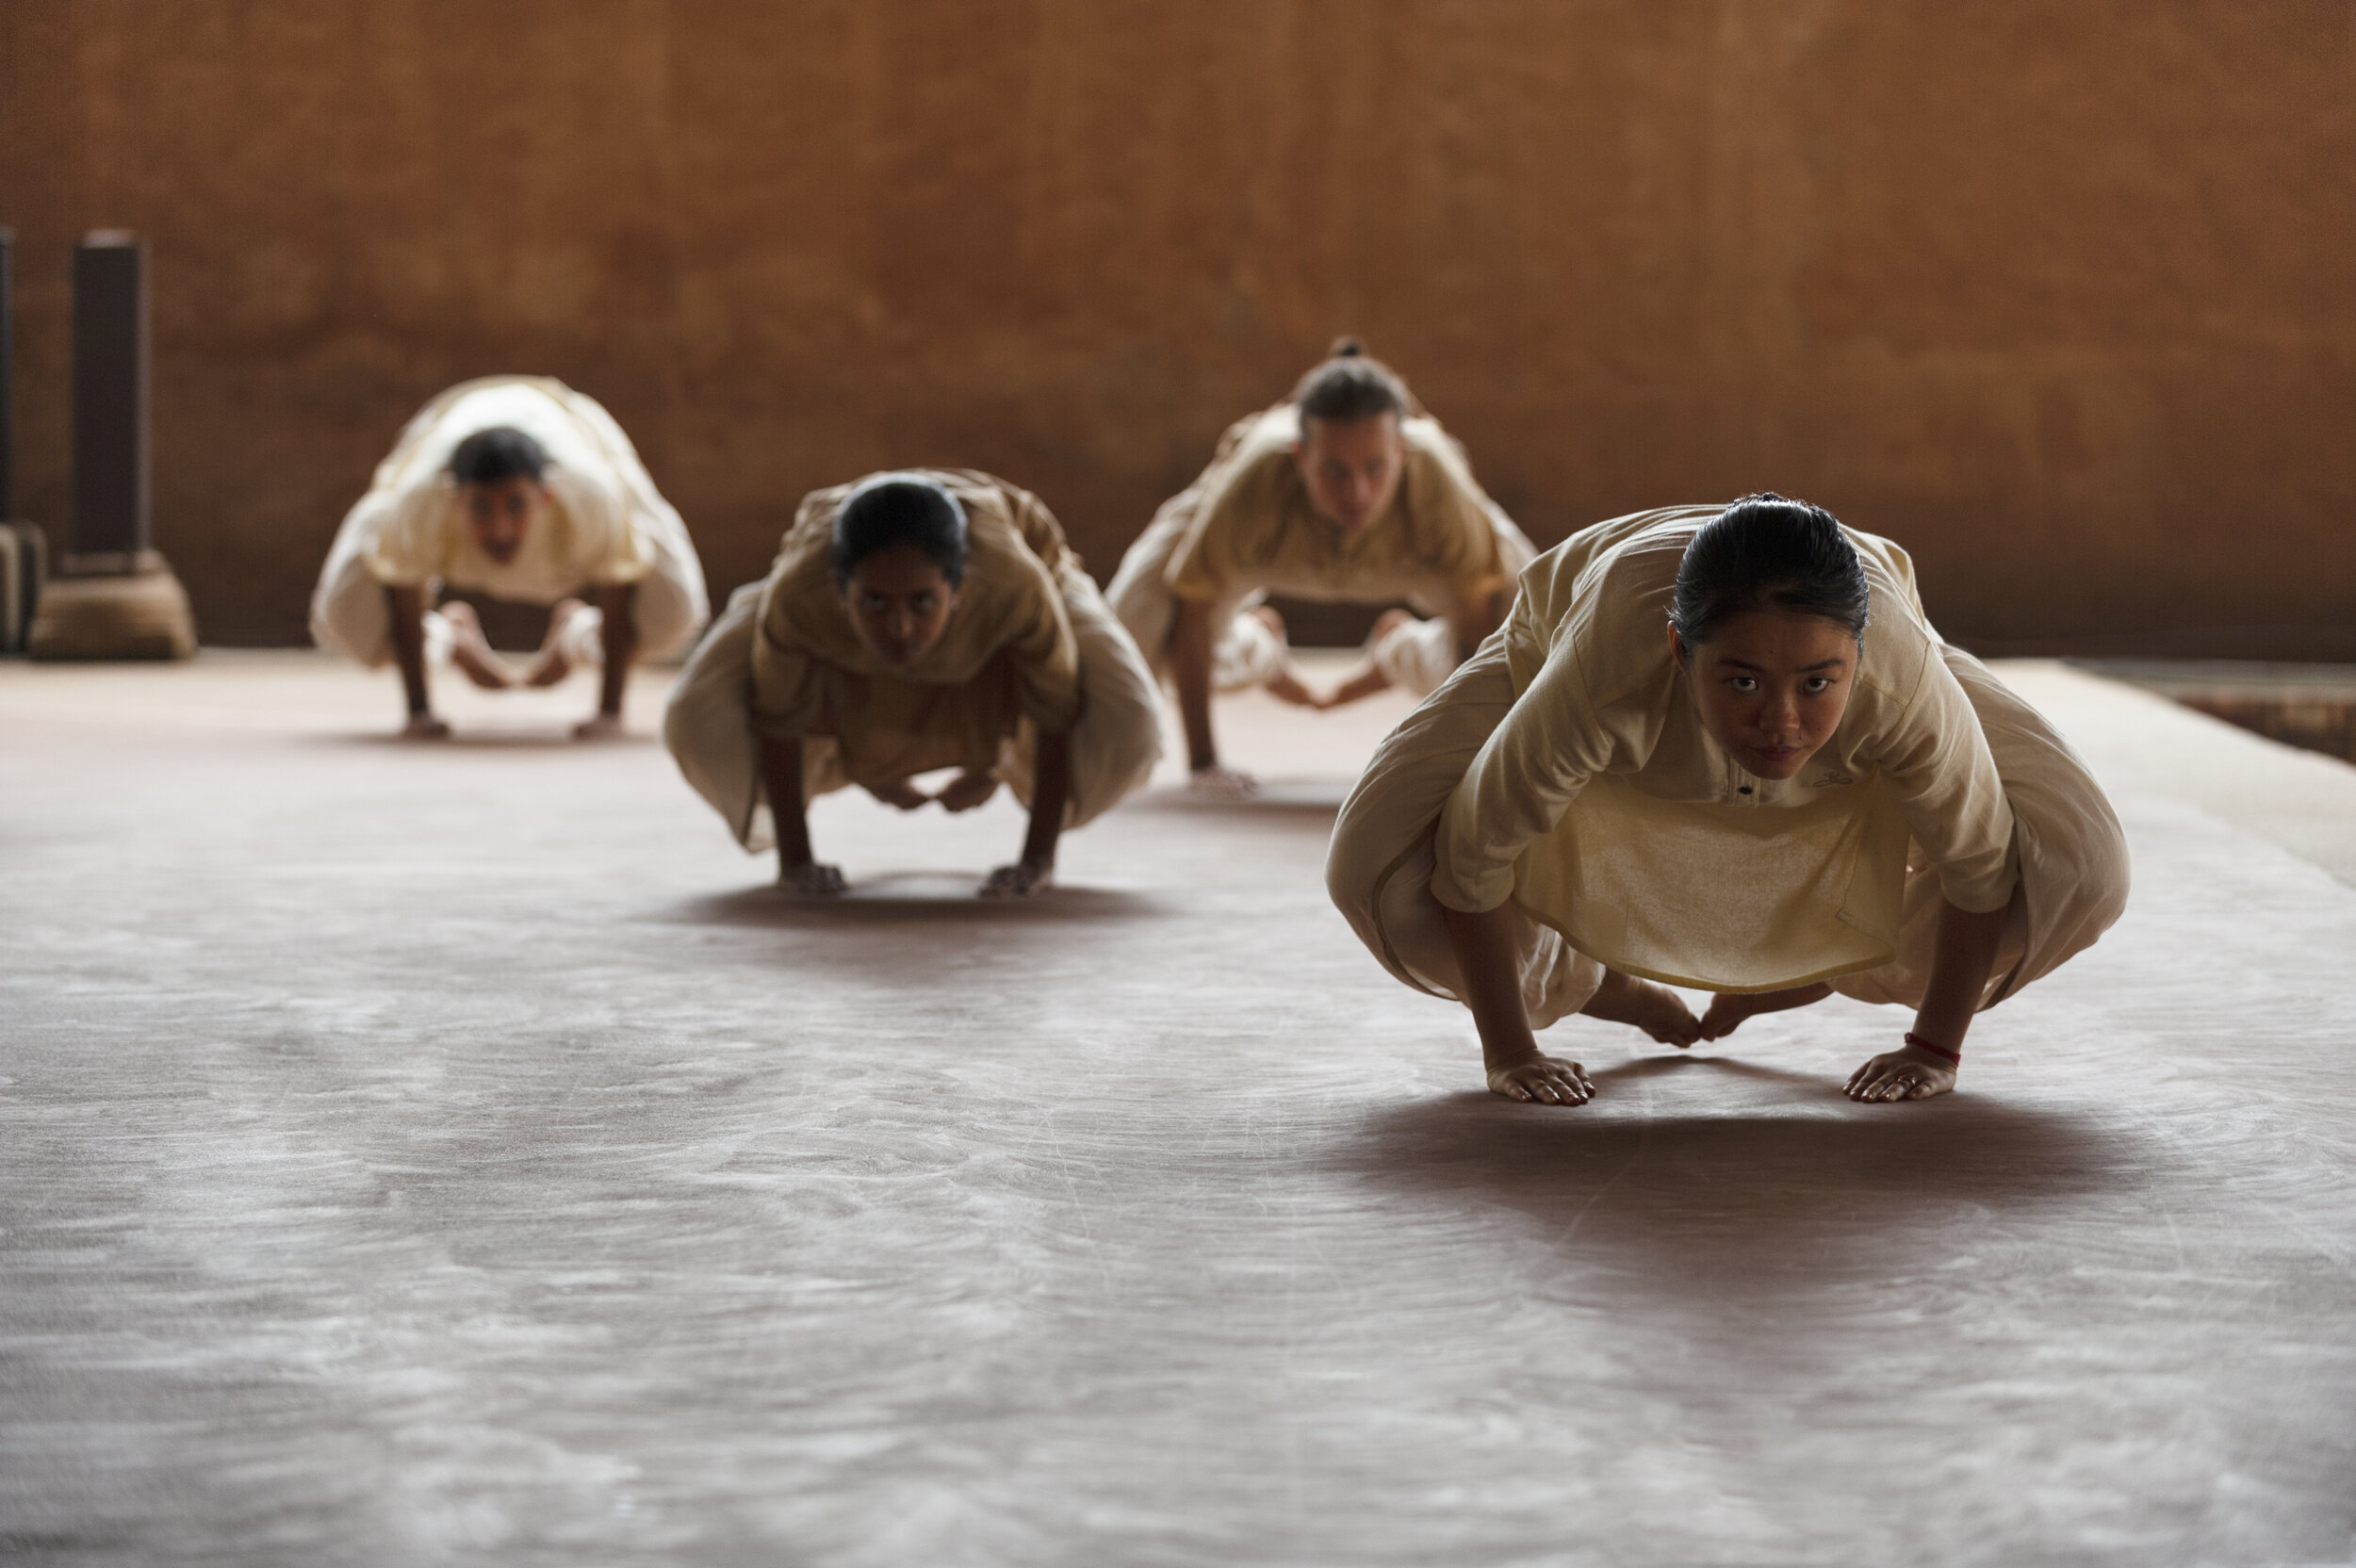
(1772, 686)
(899, 603)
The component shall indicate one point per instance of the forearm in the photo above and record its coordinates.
(1050, 789)
(1473, 618)
(1483, 944)
(407, 608)
(1962, 956)
(1190, 672)
(782, 773)
(618, 604)
(1365, 683)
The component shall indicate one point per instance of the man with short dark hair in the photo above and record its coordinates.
(523, 489)
(1345, 491)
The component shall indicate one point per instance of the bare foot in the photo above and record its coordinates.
(1367, 678)
(424, 726)
(1020, 880)
(812, 880)
(471, 651)
(900, 792)
(554, 663)
(1907, 1074)
(968, 790)
(1542, 1080)
(1654, 1009)
(1218, 783)
(1286, 685)
(605, 726)
(1727, 1010)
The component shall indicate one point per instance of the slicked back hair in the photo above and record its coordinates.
(1765, 553)
(498, 452)
(898, 508)
(1350, 387)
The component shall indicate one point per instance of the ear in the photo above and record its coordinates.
(1677, 647)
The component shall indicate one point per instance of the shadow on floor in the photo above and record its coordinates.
(554, 737)
(1319, 798)
(1766, 1188)
(901, 898)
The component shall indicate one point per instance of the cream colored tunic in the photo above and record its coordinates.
(1030, 647)
(1567, 770)
(609, 525)
(1246, 529)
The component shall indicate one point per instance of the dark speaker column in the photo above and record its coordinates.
(114, 597)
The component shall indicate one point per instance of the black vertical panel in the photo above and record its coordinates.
(110, 492)
(7, 373)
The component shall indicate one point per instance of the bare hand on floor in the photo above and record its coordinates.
(1218, 783)
(1542, 1080)
(1907, 1074)
(813, 880)
(1020, 880)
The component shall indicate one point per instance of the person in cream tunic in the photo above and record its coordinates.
(1723, 749)
(521, 488)
(914, 622)
(1344, 492)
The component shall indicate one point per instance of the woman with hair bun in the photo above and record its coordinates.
(1345, 491)
(914, 622)
(1723, 748)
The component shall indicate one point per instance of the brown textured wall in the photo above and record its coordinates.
(2059, 294)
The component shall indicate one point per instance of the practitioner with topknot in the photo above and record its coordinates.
(916, 622)
(521, 488)
(1345, 491)
(1722, 748)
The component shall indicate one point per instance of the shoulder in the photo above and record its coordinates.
(1435, 455)
(804, 553)
(1900, 647)
(1604, 592)
(1260, 446)
(1013, 546)
(524, 402)
(1630, 559)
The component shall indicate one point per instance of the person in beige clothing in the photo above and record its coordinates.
(916, 622)
(526, 490)
(1722, 748)
(1344, 492)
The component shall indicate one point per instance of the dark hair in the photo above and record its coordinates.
(498, 452)
(1350, 387)
(898, 508)
(1765, 551)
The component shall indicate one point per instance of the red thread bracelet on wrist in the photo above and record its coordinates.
(1922, 1044)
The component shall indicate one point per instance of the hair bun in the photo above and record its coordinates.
(1346, 348)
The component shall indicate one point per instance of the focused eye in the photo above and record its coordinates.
(1818, 685)
(1744, 683)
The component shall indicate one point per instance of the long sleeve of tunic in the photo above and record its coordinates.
(1603, 736)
